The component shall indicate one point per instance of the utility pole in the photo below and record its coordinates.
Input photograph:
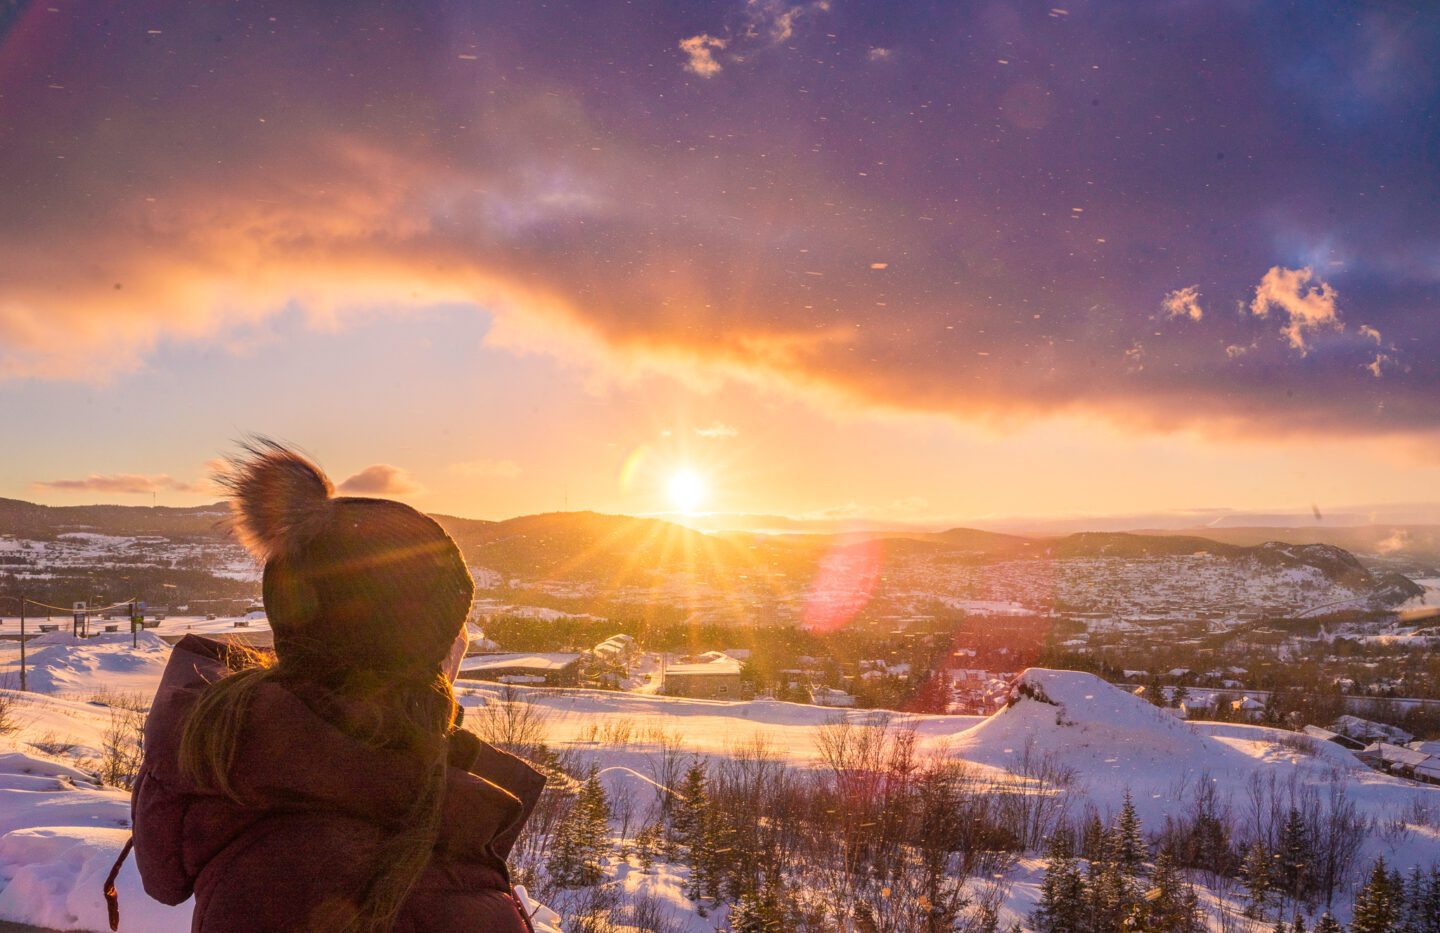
(22, 642)
(134, 629)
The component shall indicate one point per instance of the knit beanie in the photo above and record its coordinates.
(352, 585)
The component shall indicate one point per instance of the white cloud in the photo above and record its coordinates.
(1184, 302)
(701, 51)
(486, 469)
(718, 429)
(1377, 365)
(878, 54)
(1367, 331)
(1307, 307)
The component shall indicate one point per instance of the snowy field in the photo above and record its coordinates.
(1075, 736)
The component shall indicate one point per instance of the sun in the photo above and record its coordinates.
(686, 489)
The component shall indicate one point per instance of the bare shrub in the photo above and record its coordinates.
(652, 915)
(511, 721)
(665, 766)
(1422, 813)
(1298, 742)
(1039, 800)
(8, 722)
(121, 747)
(119, 699)
(592, 909)
(52, 744)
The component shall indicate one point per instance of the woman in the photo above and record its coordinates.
(327, 788)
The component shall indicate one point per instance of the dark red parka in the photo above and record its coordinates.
(324, 803)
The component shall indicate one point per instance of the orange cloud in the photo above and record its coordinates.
(151, 214)
(123, 483)
(700, 54)
(1307, 308)
(381, 479)
(1184, 302)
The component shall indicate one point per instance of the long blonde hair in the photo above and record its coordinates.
(410, 716)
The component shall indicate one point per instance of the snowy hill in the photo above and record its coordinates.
(1084, 723)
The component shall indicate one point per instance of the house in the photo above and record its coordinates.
(712, 676)
(1428, 770)
(830, 696)
(617, 649)
(1344, 741)
(554, 669)
(1369, 731)
(1397, 759)
(1248, 708)
(478, 643)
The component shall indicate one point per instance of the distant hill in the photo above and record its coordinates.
(44, 522)
(622, 550)
(1412, 542)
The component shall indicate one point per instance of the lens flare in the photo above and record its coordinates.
(843, 585)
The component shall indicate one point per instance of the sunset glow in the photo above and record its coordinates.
(686, 490)
(966, 264)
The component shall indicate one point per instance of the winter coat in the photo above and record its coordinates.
(324, 801)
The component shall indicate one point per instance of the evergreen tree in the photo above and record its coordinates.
(1412, 898)
(759, 909)
(1298, 926)
(934, 694)
(1126, 841)
(1258, 878)
(647, 844)
(1062, 893)
(1170, 905)
(1328, 924)
(1430, 903)
(1377, 906)
(582, 838)
(1295, 858)
(1112, 892)
(690, 823)
(1420, 896)
(1093, 840)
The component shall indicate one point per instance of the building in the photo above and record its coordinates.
(1368, 731)
(617, 649)
(1248, 708)
(553, 669)
(830, 696)
(713, 677)
(1325, 735)
(1396, 759)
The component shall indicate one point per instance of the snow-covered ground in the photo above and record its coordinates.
(1074, 735)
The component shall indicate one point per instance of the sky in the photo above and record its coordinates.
(907, 262)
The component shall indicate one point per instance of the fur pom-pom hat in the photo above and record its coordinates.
(351, 584)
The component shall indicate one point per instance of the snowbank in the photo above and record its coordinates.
(58, 662)
(59, 836)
